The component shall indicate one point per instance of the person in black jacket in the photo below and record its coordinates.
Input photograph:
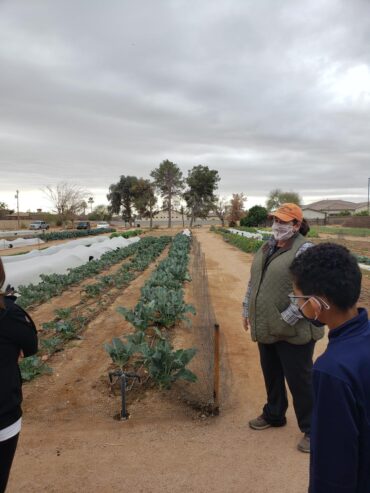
(18, 337)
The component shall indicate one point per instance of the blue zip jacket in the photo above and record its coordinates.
(340, 428)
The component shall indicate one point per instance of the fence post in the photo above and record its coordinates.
(216, 380)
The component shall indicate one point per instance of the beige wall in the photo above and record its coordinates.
(310, 214)
(11, 224)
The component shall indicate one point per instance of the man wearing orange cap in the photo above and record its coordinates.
(285, 339)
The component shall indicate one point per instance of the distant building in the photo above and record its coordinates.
(309, 213)
(334, 207)
(362, 207)
(162, 215)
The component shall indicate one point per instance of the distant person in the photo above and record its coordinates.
(18, 337)
(285, 339)
(327, 285)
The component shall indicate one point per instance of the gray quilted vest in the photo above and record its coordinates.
(270, 285)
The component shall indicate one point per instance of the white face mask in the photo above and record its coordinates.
(282, 232)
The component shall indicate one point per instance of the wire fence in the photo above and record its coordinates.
(203, 335)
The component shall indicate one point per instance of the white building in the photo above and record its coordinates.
(362, 207)
(313, 214)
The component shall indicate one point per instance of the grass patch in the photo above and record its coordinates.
(331, 230)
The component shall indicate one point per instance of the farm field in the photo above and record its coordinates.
(360, 245)
(71, 443)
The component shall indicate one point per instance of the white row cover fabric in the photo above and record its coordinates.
(26, 271)
(364, 266)
(19, 232)
(19, 242)
(53, 249)
(246, 234)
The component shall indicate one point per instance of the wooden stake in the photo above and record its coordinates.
(216, 379)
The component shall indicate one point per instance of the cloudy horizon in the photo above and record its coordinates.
(271, 94)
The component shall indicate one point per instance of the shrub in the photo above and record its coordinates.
(257, 216)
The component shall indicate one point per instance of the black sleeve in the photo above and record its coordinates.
(20, 329)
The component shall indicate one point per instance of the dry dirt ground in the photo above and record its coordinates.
(70, 443)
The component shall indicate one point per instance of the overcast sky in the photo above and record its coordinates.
(270, 93)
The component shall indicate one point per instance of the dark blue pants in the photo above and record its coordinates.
(283, 361)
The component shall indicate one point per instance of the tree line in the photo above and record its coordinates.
(132, 195)
(193, 196)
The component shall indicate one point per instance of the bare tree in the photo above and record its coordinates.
(220, 208)
(67, 199)
(236, 208)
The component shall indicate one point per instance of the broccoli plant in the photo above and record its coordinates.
(141, 317)
(169, 305)
(51, 345)
(121, 352)
(64, 325)
(165, 365)
(31, 367)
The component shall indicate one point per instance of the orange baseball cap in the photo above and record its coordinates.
(288, 212)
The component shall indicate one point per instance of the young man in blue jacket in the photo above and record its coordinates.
(327, 284)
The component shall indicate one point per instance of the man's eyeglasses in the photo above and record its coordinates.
(294, 299)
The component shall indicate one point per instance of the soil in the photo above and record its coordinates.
(360, 246)
(71, 443)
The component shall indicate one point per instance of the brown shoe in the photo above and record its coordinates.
(259, 423)
(304, 444)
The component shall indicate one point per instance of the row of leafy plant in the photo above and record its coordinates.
(148, 249)
(54, 284)
(266, 232)
(159, 308)
(362, 259)
(127, 234)
(67, 323)
(248, 245)
(63, 235)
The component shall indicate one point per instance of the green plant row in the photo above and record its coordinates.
(160, 307)
(127, 234)
(63, 235)
(66, 325)
(63, 328)
(148, 249)
(248, 245)
(54, 284)
(362, 259)
(266, 232)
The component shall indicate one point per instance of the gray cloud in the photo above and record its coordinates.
(272, 94)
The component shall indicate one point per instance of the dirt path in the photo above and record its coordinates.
(70, 443)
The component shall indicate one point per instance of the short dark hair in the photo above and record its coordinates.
(328, 270)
